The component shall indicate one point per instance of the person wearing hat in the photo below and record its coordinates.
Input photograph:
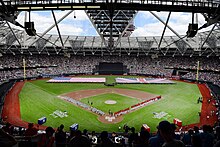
(166, 132)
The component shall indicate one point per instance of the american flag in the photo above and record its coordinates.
(76, 80)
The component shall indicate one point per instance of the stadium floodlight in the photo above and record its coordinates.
(29, 28)
(192, 30)
(193, 27)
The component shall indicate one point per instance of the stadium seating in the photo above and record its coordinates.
(130, 138)
(43, 65)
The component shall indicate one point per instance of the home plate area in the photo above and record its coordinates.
(110, 118)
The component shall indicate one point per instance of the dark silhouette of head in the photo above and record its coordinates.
(61, 127)
(30, 125)
(165, 126)
(104, 135)
(49, 131)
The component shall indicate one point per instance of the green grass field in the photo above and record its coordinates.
(122, 102)
(38, 99)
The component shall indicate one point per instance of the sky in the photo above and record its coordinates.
(145, 23)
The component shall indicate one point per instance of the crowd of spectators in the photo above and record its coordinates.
(167, 135)
(12, 66)
(205, 76)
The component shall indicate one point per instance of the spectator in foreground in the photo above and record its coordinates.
(60, 137)
(8, 128)
(187, 138)
(131, 137)
(93, 138)
(79, 140)
(31, 130)
(207, 137)
(105, 140)
(196, 141)
(166, 132)
(6, 140)
(45, 139)
(217, 141)
(156, 141)
(196, 130)
(144, 137)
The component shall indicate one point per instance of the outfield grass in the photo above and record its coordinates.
(122, 102)
(39, 98)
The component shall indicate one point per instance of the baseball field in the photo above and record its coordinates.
(41, 99)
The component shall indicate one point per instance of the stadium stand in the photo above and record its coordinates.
(127, 137)
(44, 65)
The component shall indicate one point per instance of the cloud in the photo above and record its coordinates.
(146, 24)
(66, 29)
(178, 21)
(69, 26)
(154, 27)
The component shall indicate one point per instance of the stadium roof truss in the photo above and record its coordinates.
(113, 21)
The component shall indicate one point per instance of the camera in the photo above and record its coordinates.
(118, 139)
(94, 140)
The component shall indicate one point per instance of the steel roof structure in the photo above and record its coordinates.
(113, 20)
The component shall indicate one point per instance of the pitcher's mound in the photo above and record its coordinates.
(111, 102)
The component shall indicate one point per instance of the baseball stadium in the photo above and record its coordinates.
(114, 82)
